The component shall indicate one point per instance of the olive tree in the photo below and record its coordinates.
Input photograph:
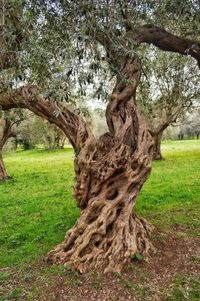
(111, 169)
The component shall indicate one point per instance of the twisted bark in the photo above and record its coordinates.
(110, 173)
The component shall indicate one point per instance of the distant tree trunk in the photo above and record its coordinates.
(3, 173)
(157, 147)
(7, 131)
(27, 145)
(180, 135)
(55, 139)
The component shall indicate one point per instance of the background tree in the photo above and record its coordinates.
(35, 132)
(9, 122)
(168, 90)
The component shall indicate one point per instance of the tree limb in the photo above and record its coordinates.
(165, 41)
(28, 97)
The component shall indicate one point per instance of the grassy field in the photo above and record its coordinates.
(172, 194)
(36, 207)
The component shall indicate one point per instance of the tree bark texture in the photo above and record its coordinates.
(157, 135)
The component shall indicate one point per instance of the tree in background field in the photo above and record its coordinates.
(54, 137)
(111, 169)
(164, 96)
(9, 122)
(36, 132)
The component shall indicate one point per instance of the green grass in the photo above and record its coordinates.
(172, 194)
(36, 207)
(184, 288)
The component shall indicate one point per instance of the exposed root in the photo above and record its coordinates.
(105, 237)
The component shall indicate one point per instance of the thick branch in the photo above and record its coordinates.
(28, 97)
(166, 41)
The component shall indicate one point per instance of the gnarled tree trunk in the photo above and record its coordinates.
(110, 173)
(157, 147)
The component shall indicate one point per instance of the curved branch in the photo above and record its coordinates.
(28, 97)
(150, 34)
(166, 41)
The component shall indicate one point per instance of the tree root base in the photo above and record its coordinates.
(106, 251)
(4, 179)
